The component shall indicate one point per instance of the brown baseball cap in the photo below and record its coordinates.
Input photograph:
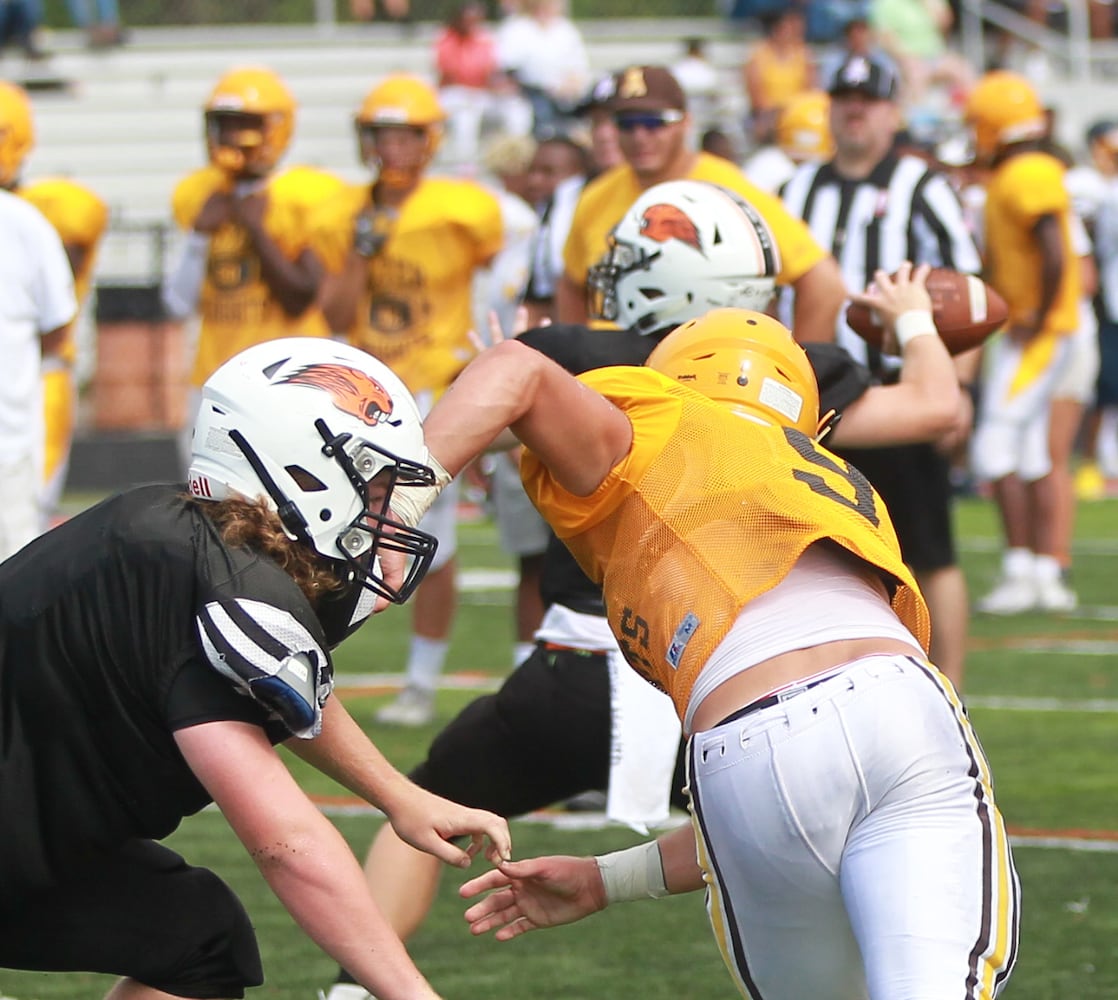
(647, 88)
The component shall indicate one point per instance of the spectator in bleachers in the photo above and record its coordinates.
(19, 21)
(914, 33)
(471, 85)
(100, 20)
(780, 66)
(698, 77)
(543, 50)
(394, 10)
(857, 40)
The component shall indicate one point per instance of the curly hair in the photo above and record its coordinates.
(251, 524)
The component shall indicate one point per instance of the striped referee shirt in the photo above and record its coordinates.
(903, 210)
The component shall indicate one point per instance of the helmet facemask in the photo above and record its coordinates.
(620, 260)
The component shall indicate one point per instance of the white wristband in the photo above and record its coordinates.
(635, 873)
(912, 324)
(410, 503)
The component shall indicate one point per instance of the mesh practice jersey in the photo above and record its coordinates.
(705, 513)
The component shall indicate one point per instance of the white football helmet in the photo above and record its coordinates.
(683, 248)
(306, 423)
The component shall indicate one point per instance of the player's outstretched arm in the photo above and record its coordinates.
(426, 821)
(552, 891)
(577, 433)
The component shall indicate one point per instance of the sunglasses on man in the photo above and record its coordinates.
(628, 121)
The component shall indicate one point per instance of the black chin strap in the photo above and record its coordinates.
(289, 514)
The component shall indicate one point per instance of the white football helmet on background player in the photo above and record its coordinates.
(683, 248)
(307, 423)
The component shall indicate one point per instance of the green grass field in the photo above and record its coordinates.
(1043, 693)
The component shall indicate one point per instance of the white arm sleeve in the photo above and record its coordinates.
(183, 285)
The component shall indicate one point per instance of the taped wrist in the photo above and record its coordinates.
(410, 503)
(635, 873)
(912, 324)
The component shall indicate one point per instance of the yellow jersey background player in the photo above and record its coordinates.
(401, 255)
(245, 267)
(650, 110)
(80, 217)
(1031, 261)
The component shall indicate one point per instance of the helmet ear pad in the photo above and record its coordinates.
(683, 248)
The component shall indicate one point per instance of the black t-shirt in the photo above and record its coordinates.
(579, 349)
(101, 661)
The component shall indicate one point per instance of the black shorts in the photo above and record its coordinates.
(542, 738)
(1108, 364)
(142, 912)
(915, 483)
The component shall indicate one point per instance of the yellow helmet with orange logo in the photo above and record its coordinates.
(803, 130)
(400, 100)
(746, 361)
(17, 131)
(250, 115)
(1003, 108)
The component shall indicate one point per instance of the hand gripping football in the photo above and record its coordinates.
(965, 311)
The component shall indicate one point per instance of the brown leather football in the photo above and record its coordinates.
(965, 310)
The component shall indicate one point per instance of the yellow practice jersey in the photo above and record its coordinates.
(236, 307)
(415, 310)
(1021, 190)
(607, 198)
(706, 513)
(779, 77)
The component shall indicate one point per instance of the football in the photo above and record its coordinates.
(965, 310)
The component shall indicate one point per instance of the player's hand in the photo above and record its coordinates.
(538, 892)
(249, 211)
(391, 567)
(429, 823)
(217, 210)
(496, 334)
(890, 296)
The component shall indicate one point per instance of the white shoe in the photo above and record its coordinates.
(346, 991)
(412, 707)
(1056, 596)
(1012, 596)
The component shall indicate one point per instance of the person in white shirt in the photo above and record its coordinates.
(545, 53)
(36, 304)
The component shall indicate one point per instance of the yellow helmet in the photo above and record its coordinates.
(17, 131)
(746, 361)
(1003, 108)
(266, 113)
(405, 100)
(803, 130)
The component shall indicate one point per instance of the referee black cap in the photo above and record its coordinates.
(865, 75)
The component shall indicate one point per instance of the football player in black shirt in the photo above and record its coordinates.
(156, 647)
(553, 730)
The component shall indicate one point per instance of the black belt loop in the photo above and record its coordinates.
(770, 700)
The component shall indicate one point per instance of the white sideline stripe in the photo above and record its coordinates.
(1081, 546)
(1077, 647)
(486, 579)
(1010, 704)
(481, 684)
(581, 821)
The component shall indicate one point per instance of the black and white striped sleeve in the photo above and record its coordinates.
(271, 656)
(939, 232)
